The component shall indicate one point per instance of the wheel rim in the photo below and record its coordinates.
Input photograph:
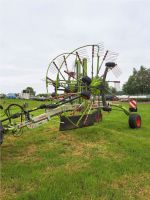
(138, 121)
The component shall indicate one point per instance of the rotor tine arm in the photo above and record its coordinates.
(59, 70)
(79, 57)
(65, 62)
(106, 53)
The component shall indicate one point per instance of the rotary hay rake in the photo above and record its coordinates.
(79, 83)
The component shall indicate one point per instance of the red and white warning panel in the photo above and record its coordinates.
(133, 105)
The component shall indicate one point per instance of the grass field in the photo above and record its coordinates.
(107, 161)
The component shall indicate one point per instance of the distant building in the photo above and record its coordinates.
(24, 95)
(11, 96)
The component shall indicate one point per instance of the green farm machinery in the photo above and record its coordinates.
(77, 84)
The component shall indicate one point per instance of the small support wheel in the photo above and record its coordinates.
(135, 121)
(86, 94)
(97, 115)
(87, 80)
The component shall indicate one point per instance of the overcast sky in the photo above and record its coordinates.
(32, 32)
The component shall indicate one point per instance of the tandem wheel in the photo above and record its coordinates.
(135, 121)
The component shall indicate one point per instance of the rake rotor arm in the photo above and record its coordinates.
(109, 65)
(103, 82)
(98, 70)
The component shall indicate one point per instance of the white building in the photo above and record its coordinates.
(24, 95)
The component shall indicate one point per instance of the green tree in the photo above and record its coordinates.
(30, 90)
(113, 90)
(138, 82)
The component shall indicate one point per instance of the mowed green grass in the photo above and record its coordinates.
(107, 161)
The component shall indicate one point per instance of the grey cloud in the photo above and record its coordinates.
(33, 32)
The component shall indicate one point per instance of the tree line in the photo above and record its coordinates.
(138, 82)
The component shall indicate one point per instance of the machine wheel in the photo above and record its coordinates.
(67, 90)
(97, 115)
(110, 64)
(135, 121)
(87, 80)
(86, 94)
(54, 94)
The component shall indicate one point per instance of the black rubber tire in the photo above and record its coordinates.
(97, 115)
(87, 80)
(53, 94)
(134, 121)
(133, 109)
(67, 90)
(107, 109)
(110, 64)
(86, 94)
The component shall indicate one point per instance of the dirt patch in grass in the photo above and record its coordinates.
(28, 154)
(31, 149)
(52, 129)
(6, 193)
(138, 186)
(75, 166)
(9, 140)
(12, 191)
(87, 149)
